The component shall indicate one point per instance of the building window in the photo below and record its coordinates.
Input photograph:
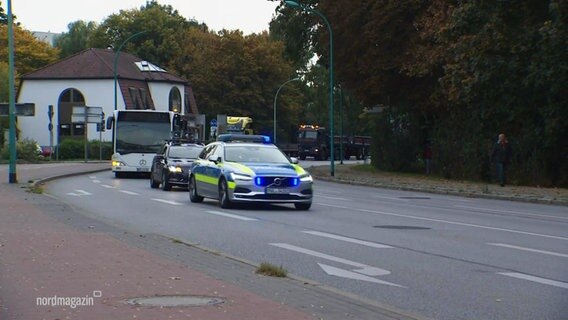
(68, 99)
(175, 100)
(145, 98)
(186, 104)
(135, 98)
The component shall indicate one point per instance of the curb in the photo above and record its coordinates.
(64, 175)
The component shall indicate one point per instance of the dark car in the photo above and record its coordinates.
(171, 165)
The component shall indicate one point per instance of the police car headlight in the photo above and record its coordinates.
(174, 169)
(239, 176)
(306, 178)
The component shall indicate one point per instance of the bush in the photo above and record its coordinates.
(26, 149)
(75, 149)
(71, 149)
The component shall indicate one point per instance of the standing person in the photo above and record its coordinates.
(502, 156)
(427, 156)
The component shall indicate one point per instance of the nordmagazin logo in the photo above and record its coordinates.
(71, 302)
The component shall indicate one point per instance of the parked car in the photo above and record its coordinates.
(170, 167)
(248, 168)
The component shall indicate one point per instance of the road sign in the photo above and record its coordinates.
(213, 122)
(91, 114)
(22, 109)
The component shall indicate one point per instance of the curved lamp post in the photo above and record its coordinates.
(116, 55)
(276, 97)
(12, 176)
(296, 5)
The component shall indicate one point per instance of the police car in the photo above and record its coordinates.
(248, 168)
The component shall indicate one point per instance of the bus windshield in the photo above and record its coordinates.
(141, 137)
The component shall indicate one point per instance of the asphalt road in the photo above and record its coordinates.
(439, 256)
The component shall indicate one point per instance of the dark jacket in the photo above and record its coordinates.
(502, 153)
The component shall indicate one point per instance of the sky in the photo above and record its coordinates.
(249, 16)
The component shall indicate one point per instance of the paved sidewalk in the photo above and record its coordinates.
(49, 250)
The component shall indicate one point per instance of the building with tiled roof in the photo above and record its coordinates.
(87, 79)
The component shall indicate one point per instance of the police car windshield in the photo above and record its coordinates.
(254, 154)
(185, 152)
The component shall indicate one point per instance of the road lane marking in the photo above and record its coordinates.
(92, 177)
(334, 198)
(129, 192)
(346, 239)
(168, 202)
(449, 222)
(79, 193)
(234, 216)
(333, 271)
(97, 181)
(365, 269)
(529, 249)
(107, 186)
(389, 198)
(549, 282)
(318, 254)
(515, 212)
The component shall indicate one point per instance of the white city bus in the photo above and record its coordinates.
(137, 136)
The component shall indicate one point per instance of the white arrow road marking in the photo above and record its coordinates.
(333, 271)
(346, 239)
(234, 216)
(168, 202)
(79, 193)
(549, 282)
(365, 269)
(107, 186)
(529, 249)
(129, 192)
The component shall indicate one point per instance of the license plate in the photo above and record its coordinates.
(277, 191)
(143, 169)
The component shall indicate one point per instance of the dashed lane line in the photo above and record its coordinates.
(448, 222)
(551, 253)
(346, 239)
(523, 276)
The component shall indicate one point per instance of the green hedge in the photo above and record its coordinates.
(71, 149)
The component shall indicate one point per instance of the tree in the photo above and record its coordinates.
(4, 16)
(164, 30)
(456, 73)
(29, 53)
(76, 39)
(236, 75)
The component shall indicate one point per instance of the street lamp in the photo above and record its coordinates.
(12, 177)
(116, 55)
(276, 97)
(296, 5)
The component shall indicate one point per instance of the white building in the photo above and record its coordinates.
(87, 79)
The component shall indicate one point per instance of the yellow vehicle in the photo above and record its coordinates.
(241, 125)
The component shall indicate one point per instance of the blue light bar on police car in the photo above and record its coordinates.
(243, 138)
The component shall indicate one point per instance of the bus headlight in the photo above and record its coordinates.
(116, 163)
